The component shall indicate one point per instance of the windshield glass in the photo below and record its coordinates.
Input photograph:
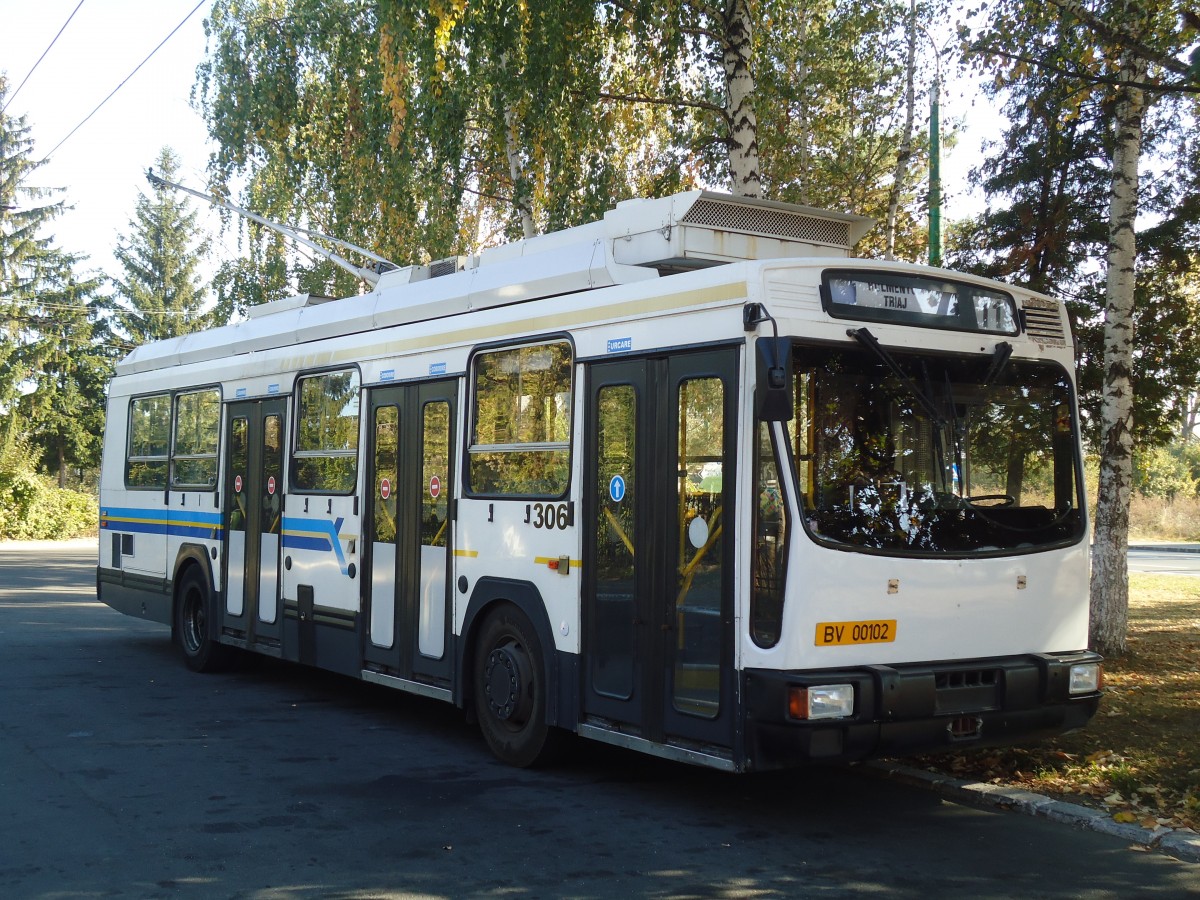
(916, 453)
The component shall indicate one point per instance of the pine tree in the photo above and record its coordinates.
(24, 250)
(162, 293)
(67, 361)
(54, 353)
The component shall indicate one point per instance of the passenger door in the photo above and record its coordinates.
(658, 564)
(408, 525)
(253, 495)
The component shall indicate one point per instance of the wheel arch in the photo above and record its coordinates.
(189, 557)
(490, 592)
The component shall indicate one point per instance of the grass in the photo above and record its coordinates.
(1157, 519)
(1139, 758)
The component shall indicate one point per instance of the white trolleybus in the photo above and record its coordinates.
(688, 480)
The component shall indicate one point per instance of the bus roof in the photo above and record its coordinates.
(638, 240)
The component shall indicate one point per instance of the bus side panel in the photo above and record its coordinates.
(320, 582)
(131, 570)
(533, 541)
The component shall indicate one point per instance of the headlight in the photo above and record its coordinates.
(1085, 678)
(827, 701)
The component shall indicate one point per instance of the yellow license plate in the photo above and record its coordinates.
(839, 634)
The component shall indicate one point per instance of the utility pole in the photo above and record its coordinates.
(935, 165)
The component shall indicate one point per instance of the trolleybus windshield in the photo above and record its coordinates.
(932, 455)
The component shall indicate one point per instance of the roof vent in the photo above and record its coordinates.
(768, 222)
(447, 266)
(703, 228)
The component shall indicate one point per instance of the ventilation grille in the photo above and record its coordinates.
(768, 223)
(1043, 322)
(965, 678)
(447, 266)
(967, 691)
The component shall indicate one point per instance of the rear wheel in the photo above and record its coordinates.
(510, 690)
(192, 610)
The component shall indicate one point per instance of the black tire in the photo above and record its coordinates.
(510, 690)
(193, 607)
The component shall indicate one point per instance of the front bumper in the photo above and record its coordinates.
(916, 708)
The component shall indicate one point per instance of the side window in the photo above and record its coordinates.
(770, 545)
(435, 474)
(327, 433)
(387, 437)
(197, 431)
(521, 421)
(149, 438)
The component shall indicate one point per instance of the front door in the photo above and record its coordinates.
(408, 530)
(658, 596)
(253, 495)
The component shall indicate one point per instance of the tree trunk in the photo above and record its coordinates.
(521, 198)
(905, 151)
(739, 88)
(1110, 574)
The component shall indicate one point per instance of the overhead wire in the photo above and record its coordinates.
(13, 95)
(122, 84)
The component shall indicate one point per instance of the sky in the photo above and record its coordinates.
(102, 165)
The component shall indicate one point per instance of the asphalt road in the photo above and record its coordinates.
(1183, 559)
(124, 775)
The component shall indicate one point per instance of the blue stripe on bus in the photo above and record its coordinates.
(320, 535)
(314, 534)
(173, 522)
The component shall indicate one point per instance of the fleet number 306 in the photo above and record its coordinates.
(837, 634)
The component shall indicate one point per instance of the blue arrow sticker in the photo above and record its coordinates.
(616, 489)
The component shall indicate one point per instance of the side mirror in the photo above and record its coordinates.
(774, 400)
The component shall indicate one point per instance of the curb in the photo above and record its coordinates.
(1166, 548)
(1183, 844)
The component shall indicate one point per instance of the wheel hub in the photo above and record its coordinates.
(506, 682)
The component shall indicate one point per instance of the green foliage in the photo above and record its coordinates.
(55, 353)
(24, 252)
(32, 507)
(1050, 180)
(161, 293)
(831, 82)
(430, 128)
(1168, 472)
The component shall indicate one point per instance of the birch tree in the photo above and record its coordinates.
(699, 59)
(1132, 58)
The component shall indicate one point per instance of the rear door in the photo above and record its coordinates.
(409, 528)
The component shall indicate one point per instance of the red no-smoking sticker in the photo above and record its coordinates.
(237, 484)
(385, 489)
(271, 485)
(435, 486)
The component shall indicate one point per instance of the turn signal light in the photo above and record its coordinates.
(827, 701)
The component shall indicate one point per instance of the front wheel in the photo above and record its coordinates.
(510, 690)
(194, 605)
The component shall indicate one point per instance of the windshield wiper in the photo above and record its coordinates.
(1000, 356)
(868, 340)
